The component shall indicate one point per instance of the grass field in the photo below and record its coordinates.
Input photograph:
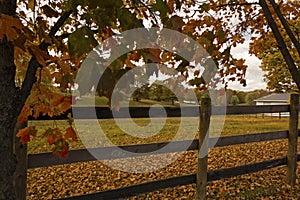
(89, 177)
(234, 125)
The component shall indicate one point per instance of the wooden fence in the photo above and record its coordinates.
(202, 176)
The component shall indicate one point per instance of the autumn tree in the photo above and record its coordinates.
(277, 76)
(279, 49)
(42, 45)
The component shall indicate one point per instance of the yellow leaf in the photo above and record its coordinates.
(31, 4)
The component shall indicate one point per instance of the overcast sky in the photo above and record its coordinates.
(254, 75)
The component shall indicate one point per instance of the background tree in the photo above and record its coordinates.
(242, 96)
(156, 91)
(142, 92)
(168, 96)
(250, 97)
(234, 100)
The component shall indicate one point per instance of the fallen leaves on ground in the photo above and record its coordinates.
(89, 177)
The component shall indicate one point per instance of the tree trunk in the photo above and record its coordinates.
(8, 119)
(20, 175)
(8, 161)
(9, 114)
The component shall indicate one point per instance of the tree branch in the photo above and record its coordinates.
(281, 44)
(286, 26)
(33, 65)
(60, 22)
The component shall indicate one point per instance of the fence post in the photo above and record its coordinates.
(292, 140)
(205, 113)
(20, 175)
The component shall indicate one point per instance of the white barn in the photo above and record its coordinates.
(275, 99)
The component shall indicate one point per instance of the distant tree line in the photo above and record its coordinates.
(159, 92)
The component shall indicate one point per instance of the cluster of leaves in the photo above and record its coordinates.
(211, 31)
(33, 38)
(56, 137)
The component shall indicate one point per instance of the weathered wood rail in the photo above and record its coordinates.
(143, 112)
(83, 155)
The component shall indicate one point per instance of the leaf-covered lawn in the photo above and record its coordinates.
(89, 177)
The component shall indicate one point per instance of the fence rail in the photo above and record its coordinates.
(105, 153)
(143, 112)
(84, 155)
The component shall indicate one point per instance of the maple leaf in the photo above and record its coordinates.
(154, 55)
(70, 133)
(51, 139)
(40, 55)
(52, 134)
(25, 113)
(61, 147)
(10, 27)
(56, 101)
(25, 133)
(66, 103)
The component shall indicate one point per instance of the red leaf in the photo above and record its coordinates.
(64, 153)
(51, 139)
(70, 133)
(196, 73)
(25, 134)
(25, 113)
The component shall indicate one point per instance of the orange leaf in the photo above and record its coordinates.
(196, 73)
(154, 55)
(57, 100)
(10, 26)
(51, 139)
(40, 55)
(61, 147)
(25, 113)
(70, 133)
(25, 134)
(66, 103)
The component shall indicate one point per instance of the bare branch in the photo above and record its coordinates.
(60, 22)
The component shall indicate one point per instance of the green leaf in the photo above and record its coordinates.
(178, 4)
(81, 41)
(221, 35)
(31, 4)
(205, 7)
(128, 20)
(162, 7)
(210, 36)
